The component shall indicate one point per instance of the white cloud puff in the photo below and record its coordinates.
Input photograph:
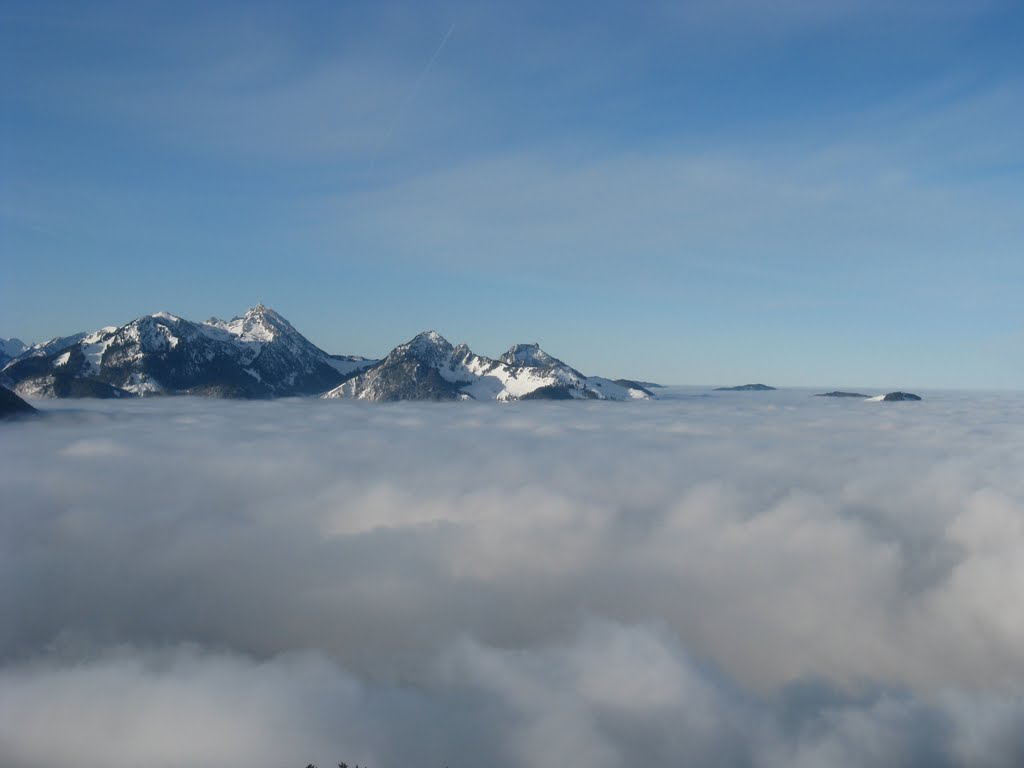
(764, 579)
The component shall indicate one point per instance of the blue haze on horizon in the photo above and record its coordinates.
(799, 193)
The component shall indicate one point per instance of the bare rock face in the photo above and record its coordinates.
(12, 406)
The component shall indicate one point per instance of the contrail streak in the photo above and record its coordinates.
(437, 53)
(412, 92)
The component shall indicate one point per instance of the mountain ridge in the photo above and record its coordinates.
(429, 367)
(259, 354)
(255, 355)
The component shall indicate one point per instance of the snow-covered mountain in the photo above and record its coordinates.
(260, 355)
(256, 355)
(428, 367)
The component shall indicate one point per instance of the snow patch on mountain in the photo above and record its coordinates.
(94, 345)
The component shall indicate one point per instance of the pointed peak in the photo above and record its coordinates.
(259, 323)
(432, 336)
(429, 340)
(165, 316)
(12, 347)
(429, 344)
(262, 310)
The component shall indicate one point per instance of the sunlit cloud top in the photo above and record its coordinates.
(751, 579)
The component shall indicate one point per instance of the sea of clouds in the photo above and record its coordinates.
(749, 579)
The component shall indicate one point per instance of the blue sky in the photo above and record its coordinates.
(694, 192)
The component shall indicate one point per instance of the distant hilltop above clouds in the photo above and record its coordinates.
(261, 355)
(746, 388)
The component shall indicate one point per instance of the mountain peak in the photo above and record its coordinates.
(530, 355)
(428, 346)
(431, 336)
(261, 310)
(430, 340)
(11, 348)
(165, 316)
(259, 323)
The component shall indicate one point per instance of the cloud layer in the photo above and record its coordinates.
(741, 580)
